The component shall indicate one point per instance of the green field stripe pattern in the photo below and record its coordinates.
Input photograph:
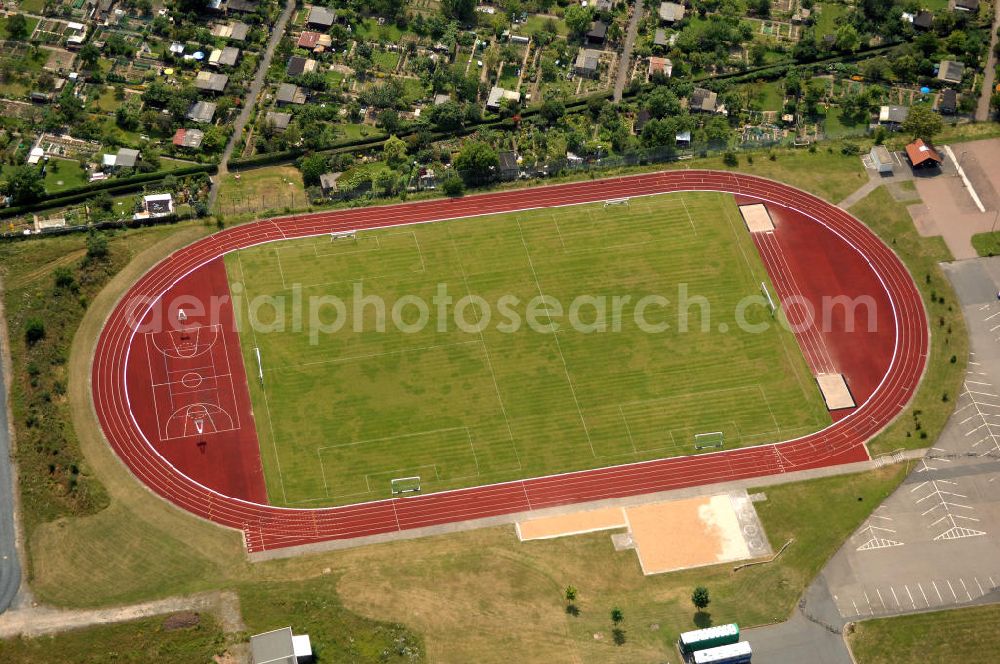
(340, 414)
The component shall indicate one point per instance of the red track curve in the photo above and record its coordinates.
(269, 527)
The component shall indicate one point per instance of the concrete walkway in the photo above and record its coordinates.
(625, 62)
(251, 100)
(39, 620)
(874, 182)
(983, 109)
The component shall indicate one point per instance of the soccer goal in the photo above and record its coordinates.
(402, 486)
(767, 294)
(343, 235)
(709, 440)
(616, 201)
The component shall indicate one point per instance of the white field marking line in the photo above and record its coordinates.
(910, 595)
(555, 337)
(335, 254)
(396, 437)
(281, 271)
(486, 354)
(229, 373)
(473, 448)
(896, 599)
(628, 431)
(853, 245)
(952, 589)
(363, 277)
(322, 471)
(160, 423)
(555, 221)
(940, 599)
(966, 588)
(926, 601)
(690, 218)
(263, 389)
(774, 420)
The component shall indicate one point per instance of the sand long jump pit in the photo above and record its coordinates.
(668, 536)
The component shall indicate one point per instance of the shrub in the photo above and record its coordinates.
(34, 331)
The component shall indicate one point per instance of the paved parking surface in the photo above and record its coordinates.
(935, 543)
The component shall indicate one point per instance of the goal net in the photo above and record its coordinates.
(616, 201)
(405, 485)
(709, 440)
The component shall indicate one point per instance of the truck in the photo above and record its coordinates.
(733, 653)
(710, 637)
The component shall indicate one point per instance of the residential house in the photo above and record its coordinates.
(298, 65)
(923, 20)
(587, 63)
(201, 111)
(951, 71)
(509, 168)
(964, 5)
(328, 183)
(290, 94)
(308, 40)
(156, 205)
(498, 94)
(125, 158)
(922, 155)
(598, 32)
(211, 82)
(233, 31)
(671, 12)
(320, 18)
(947, 102)
(659, 67)
(242, 6)
(278, 120)
(224, 57)
(188, 138)
(893, 116)
(660, 38)
(702, 100)
(280, 646)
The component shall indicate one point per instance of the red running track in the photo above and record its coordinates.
(268, 527)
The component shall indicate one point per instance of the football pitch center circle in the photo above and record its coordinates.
(126, 422)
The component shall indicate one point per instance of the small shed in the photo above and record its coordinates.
(951, 71)
(598, 32)
(881, 159)
(280, 646)
(922, 155)
(671, 12)
(320, 18)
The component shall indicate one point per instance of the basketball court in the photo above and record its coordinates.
(668, 536)
(193, 392)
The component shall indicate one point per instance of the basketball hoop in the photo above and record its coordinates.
(199, 425)
(181, 316)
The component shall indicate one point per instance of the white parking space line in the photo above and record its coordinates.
(879, 593)
(856, 612)
(870, 609)
(896, 599)
(952, 590)
(967, 593)
(940, 599)
(911, 596)
(924, 594)
(981, 591)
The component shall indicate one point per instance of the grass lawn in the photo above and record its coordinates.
(987, 244)
(536, 23)
(927, 414)
(343, 413)
(32, 6)
(968, 635)
(30, 23)
(145, 640)
(62, 174)
(829, 18)
(352, 131)
(369, 29)
(260, 189)
(385, 60)
(107, 101)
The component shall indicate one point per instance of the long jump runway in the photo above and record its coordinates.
(268, 527)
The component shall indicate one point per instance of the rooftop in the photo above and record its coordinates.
(320, 16)
(671, 12)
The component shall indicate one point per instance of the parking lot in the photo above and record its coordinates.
(935, 542)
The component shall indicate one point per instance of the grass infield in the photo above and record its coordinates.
(342, 413)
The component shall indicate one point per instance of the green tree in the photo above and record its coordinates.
(34, 331)
(394, 151)
(460, 10)
(476, 162)
(17, 27)
(97, 246)
(577, 19)
(847, 38)
(663, 102)
(24, 184)
(922, 122)
(553, 109)
(453, 185)
(570, 594)
(313, 166)
(89, 55)
(447, 116)
(617, 615)
(700, 598)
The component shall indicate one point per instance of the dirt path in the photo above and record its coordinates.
(39, 620)
(624, 65)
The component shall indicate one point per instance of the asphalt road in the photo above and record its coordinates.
(10, 568)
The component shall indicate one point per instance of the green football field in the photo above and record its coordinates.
(353, 396)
